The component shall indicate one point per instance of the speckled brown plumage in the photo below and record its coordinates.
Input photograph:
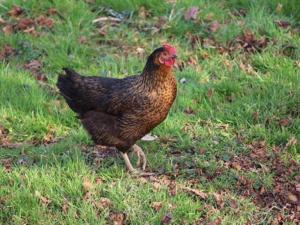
(118, 112)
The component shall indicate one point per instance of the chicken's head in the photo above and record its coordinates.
(167, 56)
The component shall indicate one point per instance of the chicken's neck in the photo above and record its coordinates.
(156, 75)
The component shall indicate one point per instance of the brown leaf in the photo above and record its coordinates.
(24, 23)
(156, 206)
(189, 111)
(209, 93)
(219, 200)
(8, 29)
(15, 11)
(172, 190)
(6, 51)
(191, 13)
(31, 30)
(103, 203)
(82, 40)
(255, 115)
(98, 181)
(117, 218)
(247, 68)
(7, 164)
(156, 186)
(202, 151)
(209, 17)
(282, 24)
(214, 26)
(33, 66)
(143, 13)
(44, 21)
(65, 207)
(236, 166)
(192, 61)
(166, 219)
(2, 21)
(44, 200)
(291, 142)
(284, 122)
(52, 11)
(292, 198)
(86, 185)
(196, 192)
(297, 186)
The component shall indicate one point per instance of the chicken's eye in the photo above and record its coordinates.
(164, 54)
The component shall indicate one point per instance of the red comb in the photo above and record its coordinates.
(169, 48)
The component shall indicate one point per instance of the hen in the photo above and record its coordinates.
(118, 112)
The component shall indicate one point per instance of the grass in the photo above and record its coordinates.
(42, 176)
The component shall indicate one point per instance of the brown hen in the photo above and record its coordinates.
(118, 112)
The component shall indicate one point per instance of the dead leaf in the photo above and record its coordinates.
(65, 207)
(292, 198)
(209, 17)
(15, 11)
(166, 219)
(5, 52)
(43, 21)
(98, 181)
(32, 31)
(202, 151)
(192, 61)
(156, 206)
(44, 200)
(282, 24)
(214, 26)
(247, 68)
(236, 166)
(297, 187)
(219, 200)
(87, 185)
(24, 23)
(191, 13)
(284, 122)
(8, 29)
(172, 189)
(196, 192)
(189, 111)
(117, 218)
(156, 186)
(103, 203)
(291, 142)
(140, 51)
(2, 21)
(209, 93)
(143, 13)
(82, 40)
(34, 66)
(7, 164)
(52, 11)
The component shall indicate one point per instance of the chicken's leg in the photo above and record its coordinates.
(141, 156)
(128, 163)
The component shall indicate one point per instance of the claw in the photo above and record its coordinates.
(141, 156)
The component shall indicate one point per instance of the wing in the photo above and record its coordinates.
(109, 95)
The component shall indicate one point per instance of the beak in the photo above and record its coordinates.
(174, 56)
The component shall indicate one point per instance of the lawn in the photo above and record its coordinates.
(229, 151)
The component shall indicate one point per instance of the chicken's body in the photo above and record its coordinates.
(118, 112)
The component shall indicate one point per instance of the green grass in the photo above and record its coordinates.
(232, 108)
